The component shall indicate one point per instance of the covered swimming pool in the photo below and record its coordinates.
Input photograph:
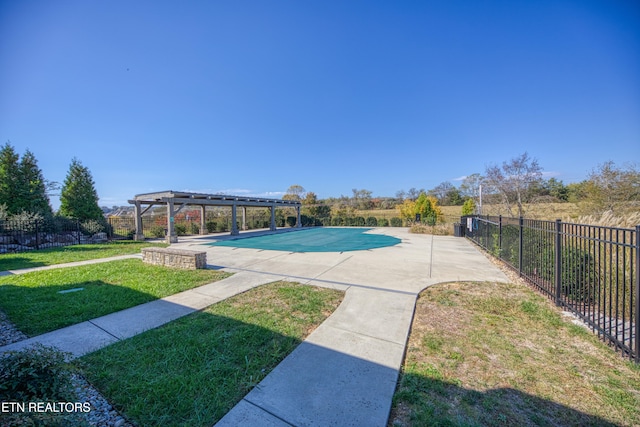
(315, 240)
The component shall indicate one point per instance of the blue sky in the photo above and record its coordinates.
(250, 97)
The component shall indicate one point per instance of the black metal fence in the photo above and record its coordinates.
(25, 235)
(589, 270)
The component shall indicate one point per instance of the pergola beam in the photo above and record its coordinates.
(173, 198)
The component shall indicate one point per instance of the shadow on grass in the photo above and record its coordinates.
(189, 372)
(15, 263)
(197, 368)
(22, 260)
(37, 310)
(193, 370)
(424, 401)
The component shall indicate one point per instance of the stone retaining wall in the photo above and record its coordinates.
(179, 258)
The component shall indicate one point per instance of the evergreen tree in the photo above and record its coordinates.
(469, 207)
(78, 198)
(10, 179)
(34, 197)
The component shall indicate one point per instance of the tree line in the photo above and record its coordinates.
(513, 185)
(516, 183)
(24, 192)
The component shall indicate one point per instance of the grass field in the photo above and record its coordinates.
(567, 212)
(70, 254)
(33, 302)
(194, 370)
(547, 211)
(500, 354)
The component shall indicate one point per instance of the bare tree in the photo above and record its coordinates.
(470, 188)
(441, 191)
(513, 180)
(414, 193)
(295, 192)
(361, 199)
(612, 188)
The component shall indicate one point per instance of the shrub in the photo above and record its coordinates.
(38, 373)
(420, 229)
(26, 222)
(372, 222)
(337, 221)
(291, 221)
(222, 226)
(194, 228)
(437, 230)
(307, 221)
(383, 222)
(396, 222)
(181, 229)
(211, 226)
(430, 219)
(469, 207)
(35, 373)
(359, 221)
(157, 231)
(92, 227)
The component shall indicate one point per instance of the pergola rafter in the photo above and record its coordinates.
(177, 200)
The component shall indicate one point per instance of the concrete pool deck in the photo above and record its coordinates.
(345, 372)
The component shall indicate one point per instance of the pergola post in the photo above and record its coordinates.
(234, 220)
(244, 218)
(138, 221)
(183, 199)
(272, 226)
(203, 229)
(171, 230)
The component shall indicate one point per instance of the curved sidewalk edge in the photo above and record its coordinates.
(345, 373)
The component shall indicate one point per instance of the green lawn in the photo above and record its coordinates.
(500, 354)
(33, 302)
(70, 254)
(192, 371)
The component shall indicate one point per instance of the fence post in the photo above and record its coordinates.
(520, 236)
(500, 236)
(558, 262)
(637, 320)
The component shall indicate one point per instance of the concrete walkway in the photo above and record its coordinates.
(92, 335)
(68, 264)
(345, 372)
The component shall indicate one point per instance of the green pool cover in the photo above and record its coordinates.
(315, 240)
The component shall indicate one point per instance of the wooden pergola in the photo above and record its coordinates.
(178, 200)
